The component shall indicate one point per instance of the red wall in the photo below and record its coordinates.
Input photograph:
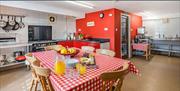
(117, 33)
(136, 22)
(110, 22)
(97, 31)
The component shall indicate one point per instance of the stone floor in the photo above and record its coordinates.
(161, 73)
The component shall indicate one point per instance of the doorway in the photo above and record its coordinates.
(125, 36)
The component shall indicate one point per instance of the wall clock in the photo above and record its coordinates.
(101, 15)
(52, 19)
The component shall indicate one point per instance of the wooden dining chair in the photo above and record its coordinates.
(87, 48)
(42, 76)
(105, 52)
(30, 59)
(116, 76)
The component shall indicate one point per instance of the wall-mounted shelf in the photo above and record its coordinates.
(12, 65)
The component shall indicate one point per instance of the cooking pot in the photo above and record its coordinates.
(8, 27)
(21, 24)
(16, 25)
(12, 22)
(2, 22)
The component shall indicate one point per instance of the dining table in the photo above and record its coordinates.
(90, 81)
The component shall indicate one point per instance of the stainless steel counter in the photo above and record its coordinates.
(170, 46)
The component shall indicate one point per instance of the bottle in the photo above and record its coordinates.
(176, 36)
(60, 66)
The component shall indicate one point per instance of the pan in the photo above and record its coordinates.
(16, 26)
(12, 22)
(21, 24)
(8, 27)
(2, 22)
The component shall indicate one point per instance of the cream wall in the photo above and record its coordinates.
(38, 18)
(155, 27)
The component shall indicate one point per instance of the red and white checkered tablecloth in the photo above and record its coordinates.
(90, 81)
(140, 46)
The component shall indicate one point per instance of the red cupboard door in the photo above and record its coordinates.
(69, 43)
(63, 43)
(83, 43)
(77, 44)
(66, 43)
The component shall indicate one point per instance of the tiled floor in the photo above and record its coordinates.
(161, 73)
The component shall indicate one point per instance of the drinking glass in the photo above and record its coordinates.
(81, 68)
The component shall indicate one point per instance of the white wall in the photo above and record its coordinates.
(38, 18)
(43, 7)
(157, 26)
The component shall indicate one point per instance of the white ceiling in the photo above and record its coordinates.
(155, 8)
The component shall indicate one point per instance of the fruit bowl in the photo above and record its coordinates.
(70, 54)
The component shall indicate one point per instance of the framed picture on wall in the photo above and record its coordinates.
(91, 23)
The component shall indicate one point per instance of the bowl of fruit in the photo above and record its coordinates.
(69, 52)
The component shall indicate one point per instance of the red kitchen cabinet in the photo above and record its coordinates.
(66, 43)
(63, 43)
(69, 43)
(84, 43)
(79, 44)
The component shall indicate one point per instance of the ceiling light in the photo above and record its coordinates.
(80, 4)
(86, 2)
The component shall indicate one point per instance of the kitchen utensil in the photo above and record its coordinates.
(21, 24)
(2, 22)
(16, 26)
(12, 22)
(8, 27)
